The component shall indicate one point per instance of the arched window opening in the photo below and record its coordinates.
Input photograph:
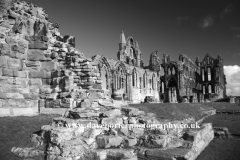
(203, 89)
(208, 60)
(209, 88)
(104, 78)
(169, 71)
(173, 71)
(133, 79)
(162, 72)
(209, 74)
(153, 82)
(203, 72)
(162, 87)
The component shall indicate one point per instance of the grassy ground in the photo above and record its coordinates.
(223, 149)
(15, 132)
(180, 110)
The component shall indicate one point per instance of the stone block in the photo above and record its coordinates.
(56, 103)
(4, 112)
(3, 61)
(46, 81)
(11, 40)
(112, 121)
(35, 81)
(18, 49)
(93, 94)
(111, 113)
(4, 49)
(32, 63)
(86, 103)
(130, 142)
(23, 43)
(11, 96)
(58, 111)
(10, 72)
(14, 63)
(20, 103)
(38, 45)
(25, 111)
(23, 74)
(109, 141)
(48, 66)
(37, 55)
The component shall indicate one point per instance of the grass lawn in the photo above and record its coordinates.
(15, 132)
(223, 149)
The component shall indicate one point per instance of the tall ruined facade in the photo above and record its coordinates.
(127, 78)
(186, 81)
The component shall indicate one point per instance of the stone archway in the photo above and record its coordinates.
(120, 82)
(172, 90)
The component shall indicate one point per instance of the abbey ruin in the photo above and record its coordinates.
(42, 72)
(42, 69)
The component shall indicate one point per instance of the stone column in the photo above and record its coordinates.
(170, 95)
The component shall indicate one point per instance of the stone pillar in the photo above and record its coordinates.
(170, 95)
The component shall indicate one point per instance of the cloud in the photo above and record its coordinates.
(233, 79)
(227, 10)
(207, 22)
(181, 19)
(234, 28)
(237, 36)
(236, 54)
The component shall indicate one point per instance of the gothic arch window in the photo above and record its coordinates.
(145, 80)
(131, 52)
(162, 87)
(203, 72)
(209, 74)
(169, 71)
(153, 82)
(208, 60)
(173, 71)
(204, 89)
(209, 88)
(134, 78)
(104, 78)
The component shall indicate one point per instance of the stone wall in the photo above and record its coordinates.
(35, 61)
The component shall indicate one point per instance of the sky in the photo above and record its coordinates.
(174, 27)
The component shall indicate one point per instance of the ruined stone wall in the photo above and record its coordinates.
(36, 62)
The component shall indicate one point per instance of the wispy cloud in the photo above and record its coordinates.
(234, 28)
(233, 77)
(207, 22)
(237, 36)
(181, 19)
(227, 10)
(236, 54)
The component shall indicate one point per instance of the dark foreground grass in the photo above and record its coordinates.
(15, 132)
(223, 149)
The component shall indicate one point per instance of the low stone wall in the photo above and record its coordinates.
(73, 136)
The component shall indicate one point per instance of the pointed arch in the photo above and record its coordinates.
(209, 74)
(145, 79)
(154, 82)
(134, 78)
(104, 69)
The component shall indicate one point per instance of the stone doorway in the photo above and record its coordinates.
(172, 91)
